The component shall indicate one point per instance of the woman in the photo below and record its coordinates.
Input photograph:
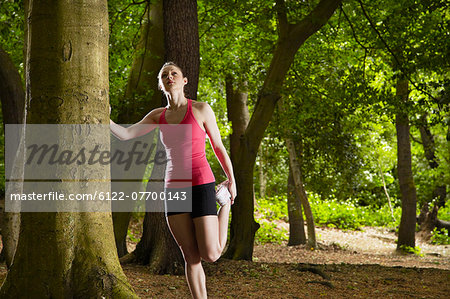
(201, 234)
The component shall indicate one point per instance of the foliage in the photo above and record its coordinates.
(411, 250)
(332, 213)
(348, 215)
(444, 213)
(272, 208)
(339, 95)
(125, 22)
(269, 232)
(440, 237)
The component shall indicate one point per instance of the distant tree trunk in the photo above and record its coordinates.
(300, 189)
(440, 191)
(296, 223)
(428, 219)
(67, 255)
(291, 37)
(181, 40)
(141, 96)
(12, 97)
(262, 174)
(406, 232)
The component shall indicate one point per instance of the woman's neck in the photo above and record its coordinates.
(176, 100)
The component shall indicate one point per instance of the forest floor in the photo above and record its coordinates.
(346, 264)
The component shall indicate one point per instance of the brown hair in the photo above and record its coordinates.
(169, 63)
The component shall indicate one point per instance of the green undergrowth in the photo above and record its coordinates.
(271, 211)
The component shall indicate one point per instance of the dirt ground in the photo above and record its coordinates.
(347, 264)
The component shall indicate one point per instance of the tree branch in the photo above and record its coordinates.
(404, 72)
(283, 23)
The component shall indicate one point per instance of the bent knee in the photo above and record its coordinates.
(211, 256)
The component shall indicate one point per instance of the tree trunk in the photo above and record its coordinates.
(291, 37)
(141, 96)
(12, 94)
(406, 232)
(12, 97)
(67, 254)
(296, 223)
(439, 192)
(238, 115)
(262, 174)
(157, 248)
(180, 26)
(300, 189)
(181, 40)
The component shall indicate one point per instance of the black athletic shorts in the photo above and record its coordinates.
(203, 200)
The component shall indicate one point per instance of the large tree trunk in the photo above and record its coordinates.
(157, 248)
(12, 97)
(296, 223)
(291, 37)
(141, 96)
(180, 27)
(67, 254)
(181, 40)
(406, 232)
(238, 115)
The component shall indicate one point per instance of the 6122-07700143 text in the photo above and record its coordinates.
(142, 195)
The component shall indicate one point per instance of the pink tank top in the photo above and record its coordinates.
(185, 150)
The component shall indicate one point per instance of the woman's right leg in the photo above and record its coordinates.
(182, 229)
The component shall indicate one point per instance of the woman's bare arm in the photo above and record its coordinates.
(209, 121)
(144, 126)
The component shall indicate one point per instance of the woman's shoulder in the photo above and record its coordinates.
(200, 106)
(155, 114)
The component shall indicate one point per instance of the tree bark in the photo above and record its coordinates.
(406, 232)
(296, 223)
(141, 96)
(180, 27)
(67, 254)
(291, 37)
(12, 98)
(181, 40)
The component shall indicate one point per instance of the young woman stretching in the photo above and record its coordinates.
(202, 233)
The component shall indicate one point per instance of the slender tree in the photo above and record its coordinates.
(67, 254)
(296, 223)
(407, 229)
(291, 37)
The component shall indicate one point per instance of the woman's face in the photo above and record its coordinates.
(172, 79)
